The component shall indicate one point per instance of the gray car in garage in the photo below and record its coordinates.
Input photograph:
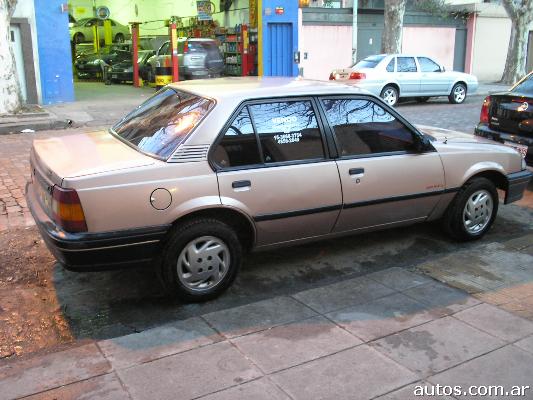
(396, 76)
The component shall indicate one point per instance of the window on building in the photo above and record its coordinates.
(405, 64)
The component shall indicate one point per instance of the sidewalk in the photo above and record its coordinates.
(370, 337)
(100, 105)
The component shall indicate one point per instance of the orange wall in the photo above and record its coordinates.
(437, 43)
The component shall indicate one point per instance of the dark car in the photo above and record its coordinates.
(90, 65)
(507, 117)
(123, 70)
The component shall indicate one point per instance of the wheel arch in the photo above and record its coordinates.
(393, 84)
(463, 81)
(496, 176)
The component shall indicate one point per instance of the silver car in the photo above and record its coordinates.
(207, 170)
(398, 76)
(83, 30)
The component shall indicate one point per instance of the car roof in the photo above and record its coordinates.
(243, 88)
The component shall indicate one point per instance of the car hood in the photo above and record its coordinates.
(446, 135)
(72, 156)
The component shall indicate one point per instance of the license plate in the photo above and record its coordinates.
(522, 149)
(43, 194)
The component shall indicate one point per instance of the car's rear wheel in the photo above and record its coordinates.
(389, 94)
(79, 38)
(458, 94)
(200, 260)
(119, 38)
(473, 210)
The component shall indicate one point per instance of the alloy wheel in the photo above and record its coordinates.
(459, 94)
(478, 211)
(389, 96)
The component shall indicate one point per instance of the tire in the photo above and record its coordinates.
(79, 38)
(389, 95)
(191, 236)
(456, 221)
(119, 38)
(422, 99)
(150, 75)
(458, 93)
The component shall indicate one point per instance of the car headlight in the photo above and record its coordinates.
(129, 69)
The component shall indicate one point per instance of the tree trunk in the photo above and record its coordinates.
(10, 97)
(521, 14)
(391, 40)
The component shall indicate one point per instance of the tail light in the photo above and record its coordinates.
(484, 115)
(331, 77)
(185, 47)
(357, 75)
(67, 210)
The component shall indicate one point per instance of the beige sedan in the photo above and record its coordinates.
(205, 171)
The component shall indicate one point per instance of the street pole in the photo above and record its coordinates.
(354, 32)
(135, 45)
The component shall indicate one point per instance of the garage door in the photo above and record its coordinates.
(280, 53)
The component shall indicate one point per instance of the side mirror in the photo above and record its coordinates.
(422, 143)
(442, 69)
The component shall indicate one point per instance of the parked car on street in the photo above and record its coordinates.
(396, 76)
(83, 30)
(197, 59)
(507, 117)
(123, 71)
(205, 171)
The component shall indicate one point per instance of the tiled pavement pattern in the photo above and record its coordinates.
(371, 337)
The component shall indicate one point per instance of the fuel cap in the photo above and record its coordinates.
(160, 199)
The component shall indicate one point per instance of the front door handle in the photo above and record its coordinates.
(356, 171)
(241, 184)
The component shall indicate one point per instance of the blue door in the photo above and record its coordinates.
(279, 56)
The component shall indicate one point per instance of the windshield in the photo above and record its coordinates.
(369, 62)
(163, 121)
(525, 87)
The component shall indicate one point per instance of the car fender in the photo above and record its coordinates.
(393, 82)
(482, 166)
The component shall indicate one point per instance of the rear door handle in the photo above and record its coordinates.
(356, 171)
(241, 184)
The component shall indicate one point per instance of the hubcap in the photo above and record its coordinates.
(459, 94)
(478, 211)
(389, 96)
(203, 263)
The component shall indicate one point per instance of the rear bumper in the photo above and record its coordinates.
(485, 131)
(97, 251)
(516, 185)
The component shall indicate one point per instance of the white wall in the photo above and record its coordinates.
(435, 42)
(491, 42)
(25, 9)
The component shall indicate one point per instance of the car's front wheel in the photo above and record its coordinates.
(389, 94)
(473, 210)
(79, 38)
(200, 260)
(119, 38)
(458, 94)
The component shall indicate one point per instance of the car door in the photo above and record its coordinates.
(272, 164)
(384, 180)
(433, 81)
(407, 76)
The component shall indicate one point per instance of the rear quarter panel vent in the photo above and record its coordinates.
(190, 153)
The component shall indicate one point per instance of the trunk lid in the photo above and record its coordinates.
(78, 155)
(511, 112)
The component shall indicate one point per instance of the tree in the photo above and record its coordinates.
(391, 39)
(10, 97)
(521, 14)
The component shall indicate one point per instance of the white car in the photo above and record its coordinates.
(395, 76)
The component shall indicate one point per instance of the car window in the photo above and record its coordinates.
(525, 87)
(405, 64)
(369, 62)
(164, 49)
(428, 65)
(288, 131)
(90, 22)
(113, 23)
(100, 22)
(390, 66)
(364, 127)
(163, 121)
(238, 146)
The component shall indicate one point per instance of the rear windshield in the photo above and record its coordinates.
(525, 87)
(163, 121)
(369, 62)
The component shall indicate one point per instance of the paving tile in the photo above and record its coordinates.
(423, 390)
(106, 387)
(399, 278)
(437, 345)
(258, 316)
(343, 294)
(288, 345)
(151, 344)
(526, 344)
(354, 374)
(261, 389)
(443, 299)
(508, 366)
(382, 317)
(191, 374)
(51, 371)
(497, 322)
(522, 307)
